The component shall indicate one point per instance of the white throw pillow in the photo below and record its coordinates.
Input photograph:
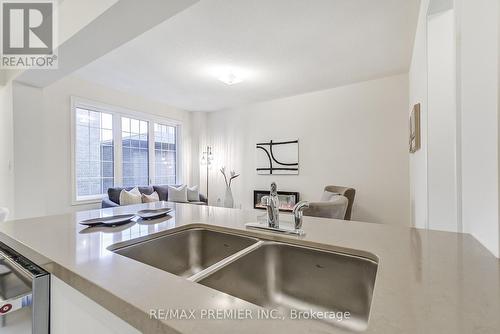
(154, 197)
(130, 197)
(328, 196)
(177, 194)
(193, 194)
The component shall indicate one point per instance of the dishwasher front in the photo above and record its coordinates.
(24, 295)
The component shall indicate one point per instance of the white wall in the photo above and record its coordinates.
(355, 135)
(479, 55)
(418, 94)
(478, 111)
(30, 152)
(199, 142)
(42, 141)
(6, 149)
(442, 123)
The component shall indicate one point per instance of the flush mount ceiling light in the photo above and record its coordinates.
(228, 74)
(230, 78)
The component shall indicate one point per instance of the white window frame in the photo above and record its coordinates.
(118, 113)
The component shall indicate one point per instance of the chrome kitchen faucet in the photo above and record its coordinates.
(272, 205)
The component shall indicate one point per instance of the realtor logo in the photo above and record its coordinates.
(28, 34)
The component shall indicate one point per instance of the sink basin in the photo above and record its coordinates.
(287, 277)
(187, 252)
(295, 280)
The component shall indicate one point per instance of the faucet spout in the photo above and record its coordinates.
(298, 213)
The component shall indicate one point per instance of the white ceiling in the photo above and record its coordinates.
(283, 47)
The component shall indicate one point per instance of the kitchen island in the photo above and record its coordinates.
(426, 281)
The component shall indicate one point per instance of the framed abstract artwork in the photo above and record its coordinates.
(415, 128)
(277, 157)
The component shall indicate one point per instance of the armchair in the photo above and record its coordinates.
(336, 202)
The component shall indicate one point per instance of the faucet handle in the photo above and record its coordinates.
(264, 200)
(298, 213)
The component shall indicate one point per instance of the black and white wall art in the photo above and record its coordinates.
(278, 157)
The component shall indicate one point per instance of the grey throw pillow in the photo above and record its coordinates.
(178, 194)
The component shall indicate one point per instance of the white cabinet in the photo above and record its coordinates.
(72, 312)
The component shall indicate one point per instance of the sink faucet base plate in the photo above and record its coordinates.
(283, 230)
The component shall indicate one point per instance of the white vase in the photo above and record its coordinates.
(228, 198)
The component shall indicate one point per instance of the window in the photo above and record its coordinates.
(135, 155)
(165, 154)
(116, 147)
(94, 153)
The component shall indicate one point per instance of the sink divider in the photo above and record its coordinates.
(224, 262)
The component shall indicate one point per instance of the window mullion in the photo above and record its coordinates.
(178, 173)
(151, 155)
(118, 152)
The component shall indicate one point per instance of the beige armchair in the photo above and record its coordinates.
(336, 203)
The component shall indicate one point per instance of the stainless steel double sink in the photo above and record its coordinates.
(270, 274)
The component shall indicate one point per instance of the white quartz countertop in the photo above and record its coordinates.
(427, 281)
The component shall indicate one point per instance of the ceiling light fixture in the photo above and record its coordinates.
(230, 78)
(228, 73)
